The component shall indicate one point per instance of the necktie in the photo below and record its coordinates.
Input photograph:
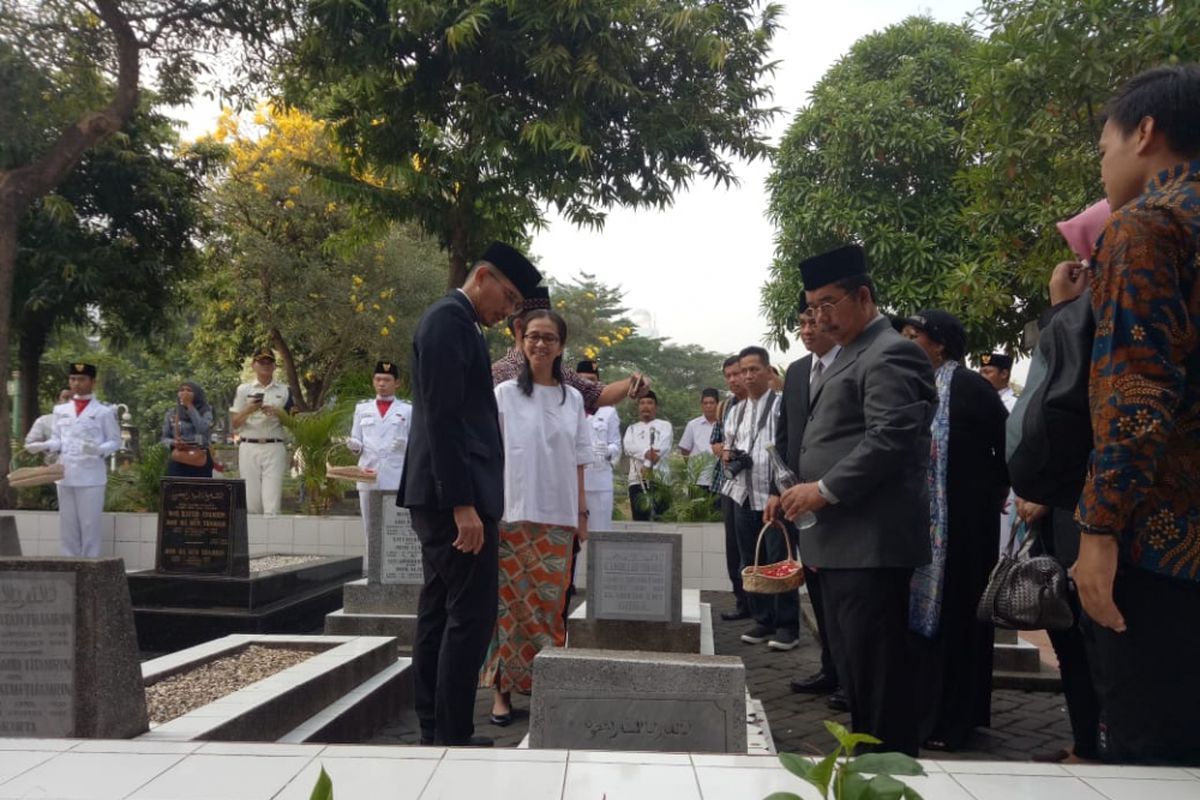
(817, 368)
(81, 404)
(383, 406)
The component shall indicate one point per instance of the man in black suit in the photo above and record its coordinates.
(802, 377)
(453, 483)
(863, 461)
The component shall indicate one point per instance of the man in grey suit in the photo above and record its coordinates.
(862, 463)
(802, 378)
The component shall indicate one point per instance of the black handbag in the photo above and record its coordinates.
(1026, 593)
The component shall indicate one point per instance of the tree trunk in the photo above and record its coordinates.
(289, 366)
(8, 263)
(21, 186)
(29, 359)
(458, 255)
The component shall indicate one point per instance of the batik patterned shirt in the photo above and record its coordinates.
(1143, 481)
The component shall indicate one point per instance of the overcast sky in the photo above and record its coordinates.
(695, 270)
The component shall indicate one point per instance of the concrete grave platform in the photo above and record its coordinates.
(344, 692)
(684, 636)
(623, 700)
(68, 653)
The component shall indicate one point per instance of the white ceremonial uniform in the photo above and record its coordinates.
(597, 478)
(380, 441)
(39, 436)
(262, 448)
(637, 442)
(83, 441)
(1009, 398)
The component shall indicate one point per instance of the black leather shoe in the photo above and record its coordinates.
(502, 720)
(837, 701)
(735, 615)
(476, 741)
(819, 683)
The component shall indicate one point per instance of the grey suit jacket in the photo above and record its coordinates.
(867, 438)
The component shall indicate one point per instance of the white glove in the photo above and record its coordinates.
(355, 445)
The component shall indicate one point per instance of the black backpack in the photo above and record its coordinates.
(1049, 436)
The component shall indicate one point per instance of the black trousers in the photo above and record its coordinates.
(733, 561)
(641, 509)
(456, 617)
(1146, 677)
(866, 617)
(812, 580)
(778, 612)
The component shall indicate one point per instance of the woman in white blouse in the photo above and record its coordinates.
(547, 444)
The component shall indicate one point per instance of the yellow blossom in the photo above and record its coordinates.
(383, 331)
(293, 190)
(358, 309)
(375, 307)
(391, 320)
(357, 280)
(330, 207)
(289, 203)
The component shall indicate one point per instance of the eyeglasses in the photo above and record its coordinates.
(511, 295)
(827, 308)
(550, 340)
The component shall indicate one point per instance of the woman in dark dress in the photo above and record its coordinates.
(186, 427)
(968, 486)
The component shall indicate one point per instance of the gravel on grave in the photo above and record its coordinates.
(177, 695)
(264, 563)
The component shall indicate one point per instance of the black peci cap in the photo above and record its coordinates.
(79, 368)
(588, 367)
(387, 368)
(997, 360)
(942, 327)
(827, 268)
(514, 266)
(535, 298)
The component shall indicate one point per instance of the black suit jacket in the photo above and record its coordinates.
(455, 456)
(793, 412)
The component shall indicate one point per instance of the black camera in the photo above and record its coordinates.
(739, 460)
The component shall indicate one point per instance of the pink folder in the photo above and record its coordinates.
(1082, 230)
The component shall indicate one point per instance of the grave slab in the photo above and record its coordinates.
(385, 602)
(626, 700)
(685, 636)
(68, 651)
(635, 576)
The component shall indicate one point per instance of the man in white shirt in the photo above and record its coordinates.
(379, 434)
(732, 371)
(42, 430)
(647, 443)
(606, 447)
(750, 431)
(85, 433)
(695, 444)
(996, 368)
(262, 448)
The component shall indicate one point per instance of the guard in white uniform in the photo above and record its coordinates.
(262, 441)
(379, 435)
(85, 433)
(606, 448)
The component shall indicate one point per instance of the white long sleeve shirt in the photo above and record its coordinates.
(638, 441)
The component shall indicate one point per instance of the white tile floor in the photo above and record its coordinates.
(148, 770)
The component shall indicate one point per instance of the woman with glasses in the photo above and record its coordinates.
(547, 445)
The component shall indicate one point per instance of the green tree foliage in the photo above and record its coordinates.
(873, 159)
(292, 268)
(993, 145)
(467, 117)
(65, 107)
(1038, 88)
(109, 249)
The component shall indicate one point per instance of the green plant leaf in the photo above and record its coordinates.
(911, 794)
(885, 787)
(847, 739)
(324, 788)
(797, 765)
(854, 787)
(820, 774)
(886, 764)
(783, 796)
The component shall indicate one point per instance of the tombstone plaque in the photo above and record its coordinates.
(202, 528)
(634, 576)
(37, 653)
(400, 550)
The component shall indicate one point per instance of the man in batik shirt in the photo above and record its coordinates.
(1138, 570)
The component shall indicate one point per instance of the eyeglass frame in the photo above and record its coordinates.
(827, 308)
(540, 338)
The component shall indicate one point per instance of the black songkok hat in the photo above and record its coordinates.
(387, 368)
(997, 360)
(650, 394)
(79, 368)
(831, 267)
(264, 354)
(535, 298)
(515, 267)
(588, 368)
(943, 328)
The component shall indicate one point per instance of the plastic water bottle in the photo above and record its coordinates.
(785, 479)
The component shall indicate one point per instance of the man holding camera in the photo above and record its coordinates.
(262, 449)
(647, 443)
(748, 433)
